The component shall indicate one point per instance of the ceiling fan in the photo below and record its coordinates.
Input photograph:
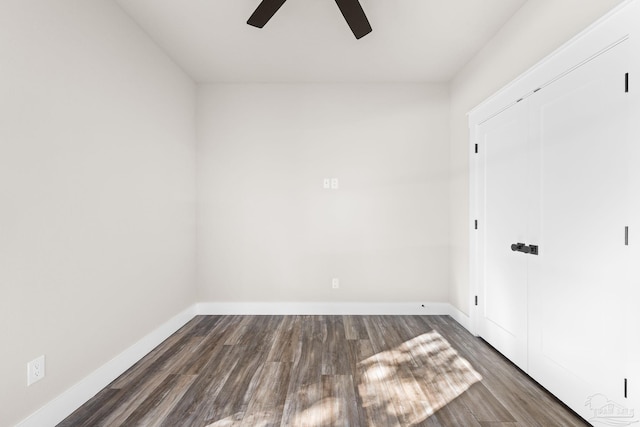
(351, 10)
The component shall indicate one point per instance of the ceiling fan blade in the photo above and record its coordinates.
(355, 17)
(264, 12)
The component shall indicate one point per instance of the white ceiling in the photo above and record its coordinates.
(309, 41)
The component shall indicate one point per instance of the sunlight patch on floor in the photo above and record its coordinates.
(411, 382)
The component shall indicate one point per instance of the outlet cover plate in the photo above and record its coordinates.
(35, 370)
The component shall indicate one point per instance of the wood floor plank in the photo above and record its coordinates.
(210, 344)
(203, 326)
(354, 328)
(158, 404)
(431, 421)
(235, 394)
(304, 393)
(456, 414)
(484, 406)
(241, 371)
(340, 402)
(286, 341)
(350, 329)
(195, 405)
(239, 328)
(335, 358)
(130, 399)
(268, 397)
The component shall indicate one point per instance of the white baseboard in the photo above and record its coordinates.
(332, 308)
(62, 406)
(319, 308)
(461, 318)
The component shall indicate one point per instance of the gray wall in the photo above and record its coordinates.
(268, 231)
(97, 199)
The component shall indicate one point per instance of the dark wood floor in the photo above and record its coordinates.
(222, 371)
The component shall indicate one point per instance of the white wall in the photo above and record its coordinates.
(268, 231)
(537, 29)
(97, 210)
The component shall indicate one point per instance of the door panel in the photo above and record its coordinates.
(578, 283)
(503, 273)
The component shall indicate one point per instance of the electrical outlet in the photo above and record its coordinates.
(335, 184)
(335, 283)
(35, 370)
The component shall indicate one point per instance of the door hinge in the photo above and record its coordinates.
(625, 388)
(476, 224)
(477, 304)
(626, 82)
(476, 148)
(626, 236)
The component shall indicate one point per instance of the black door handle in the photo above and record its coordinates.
(517, 247)
(527, 249)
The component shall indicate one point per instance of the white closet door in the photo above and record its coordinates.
(578, 285)
(504, 172)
